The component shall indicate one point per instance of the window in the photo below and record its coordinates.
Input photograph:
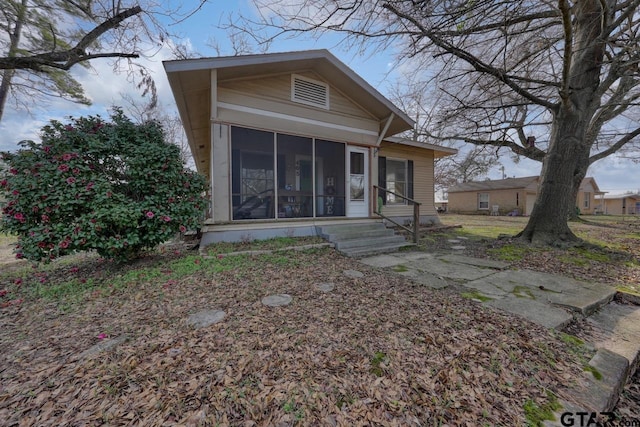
(276, 176)
(357, 177)
(587, 199)
(483, 201)
(396, 180)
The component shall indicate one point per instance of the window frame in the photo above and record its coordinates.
(479, 201)
(405, 163)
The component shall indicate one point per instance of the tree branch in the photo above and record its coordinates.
(615, 147)
(66, 59)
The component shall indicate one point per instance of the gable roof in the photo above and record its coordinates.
(190, 81)
(498, 184)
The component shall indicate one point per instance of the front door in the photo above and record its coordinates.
(357, 182)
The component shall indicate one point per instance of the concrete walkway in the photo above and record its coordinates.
(545, 299)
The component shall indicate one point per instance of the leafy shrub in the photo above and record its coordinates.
(116, 187)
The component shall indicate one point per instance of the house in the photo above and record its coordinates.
(514, 196)
(292, 140)
(621, 204)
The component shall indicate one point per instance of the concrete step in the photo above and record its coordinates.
(346, 228)
(368, 242)
(375, 250)
(357, 234)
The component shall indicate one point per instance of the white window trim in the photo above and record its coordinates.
(488, 200)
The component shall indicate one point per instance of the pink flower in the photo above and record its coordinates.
(64, 244)
(3, 292)
(220, 256)
(45, 218)
(171, 200)
(17, 282)
(149, 214)
(71, 180)
(13, 171)
(68, 128)
(47, 149)
(67, 156)
(63, 168)
(3, 183)
(183, 229)
(19, 255)
(89, 186)
(35, 209)
(43, 280)
(166, 219)
(74, 269)
(102, 336)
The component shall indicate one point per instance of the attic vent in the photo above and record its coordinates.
(309, 92)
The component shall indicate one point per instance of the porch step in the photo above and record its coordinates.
(358, 240)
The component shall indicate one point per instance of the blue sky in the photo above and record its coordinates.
(106, 89)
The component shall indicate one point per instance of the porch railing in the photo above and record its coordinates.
(416, 211)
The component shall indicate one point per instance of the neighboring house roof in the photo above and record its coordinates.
(437, 150)
(190, 81)
(498, 184)
(512, 183)
(622, 196)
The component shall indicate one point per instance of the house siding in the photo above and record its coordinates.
(422, 180)
(507, 200)
(245, 102)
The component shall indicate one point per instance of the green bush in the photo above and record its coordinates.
(116, 187)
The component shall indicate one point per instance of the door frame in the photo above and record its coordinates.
(357, 208)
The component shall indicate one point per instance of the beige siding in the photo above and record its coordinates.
(423, 191)
(506, 200)
(268, 100)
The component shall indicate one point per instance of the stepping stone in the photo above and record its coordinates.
(325, 287)
(382, 261)
(453, 241)
(205, 318)
(354, 274)
(103, 346)
(277, 300)
(462, 238)
(458, 248)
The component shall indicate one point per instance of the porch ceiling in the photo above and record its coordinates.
(190, 81)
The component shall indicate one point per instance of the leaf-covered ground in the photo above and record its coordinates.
(377, 350)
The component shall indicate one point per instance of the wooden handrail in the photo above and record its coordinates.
(416, 211)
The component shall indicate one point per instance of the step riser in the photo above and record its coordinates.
(337, 237)
(369, 243)
(358, 240)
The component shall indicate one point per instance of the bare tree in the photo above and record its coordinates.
(508, 68)
(41, 40)
(421, 100)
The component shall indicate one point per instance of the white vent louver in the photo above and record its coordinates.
(309, 92)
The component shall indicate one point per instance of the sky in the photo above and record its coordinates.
(106, 89)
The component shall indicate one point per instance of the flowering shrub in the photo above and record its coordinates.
(116, 187)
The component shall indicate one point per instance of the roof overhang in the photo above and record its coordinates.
(438, 151)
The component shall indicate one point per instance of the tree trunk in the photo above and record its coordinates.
(567, 159)
(7, 75)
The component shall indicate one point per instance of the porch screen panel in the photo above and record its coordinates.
(330, 178)
(252, 174)
(295, 176)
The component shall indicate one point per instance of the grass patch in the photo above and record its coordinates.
(262, 245)
(376, 363)
(571, 339)
(536, 414)
(523, 292)
(475, 295)
(510, 252)
(400, 268)
(596, 374)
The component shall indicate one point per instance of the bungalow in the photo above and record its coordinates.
(514, 196)
(293, 140)
(621, 204)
